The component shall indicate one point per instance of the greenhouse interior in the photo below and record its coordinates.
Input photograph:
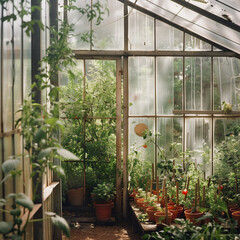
(152, 154)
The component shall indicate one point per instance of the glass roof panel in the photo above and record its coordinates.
(228, 10)
(201, 25)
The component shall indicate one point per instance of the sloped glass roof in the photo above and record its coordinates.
(215, 20)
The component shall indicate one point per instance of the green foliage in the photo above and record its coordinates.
(226, 166)
(139, 171)
(103, 192)
(186, 230)
(89, 138)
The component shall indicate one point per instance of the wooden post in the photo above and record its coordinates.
(151, 188)
(152, 171)
(209, 180)
(177, 193)
(157, 186)
(203, 202)
(166, 209)
(125, 116)
(163, 189)
(198, 190)
(173, 169)
(118, 140)
(188, 179)
(195, 199)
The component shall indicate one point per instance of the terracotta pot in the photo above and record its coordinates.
(233, 209)
(103, 211)
(171, 203)
(145, 206)
(136, 197)
(150, 212)
(160, 217)
(236, 216)
(140, 203)
(192, 217)
(176, 211)
(75, 196)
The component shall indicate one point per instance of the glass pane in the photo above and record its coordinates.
(18, 151)
(81, 26)
(101, 88)
(226, 153)
(198, 83)
(109, 34)
(18, 67)
(26, 57)
(7, 72)
(194, 44)
(170, 131)
(78, 70)
(141, 31)
(198, 137)
(141, 153)
(141, 85)
(226, 82)
(169, 84)
(168, 37)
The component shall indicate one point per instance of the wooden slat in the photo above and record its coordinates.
(32, 213)
(118, 141)
(48, 190)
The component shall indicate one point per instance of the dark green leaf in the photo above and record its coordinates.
(67, 154)
(5, 227)
(62, 224)
(25, 202)
(10, 165)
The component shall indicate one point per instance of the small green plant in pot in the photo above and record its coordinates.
(73, 185)
(103, 195)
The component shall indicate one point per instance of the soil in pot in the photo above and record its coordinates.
(75, 196)
(192, 217)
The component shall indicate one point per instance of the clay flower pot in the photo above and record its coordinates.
(150, 212)
(176, 211)
(75, 196)
(192, 217)
(140, 203)
(160, 217)
(233, 209)
(103, 211)
(236, 216)
(145, 206)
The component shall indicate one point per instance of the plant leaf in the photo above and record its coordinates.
(45, 152)
(26, 202)
(59, 170)
(67, 154)
(16, 237)
(5, 227)
(2, 202)
(10, 165)
(62, 224)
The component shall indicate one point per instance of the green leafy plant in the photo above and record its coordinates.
(103, 192)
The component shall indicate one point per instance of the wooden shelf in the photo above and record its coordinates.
(145, 226)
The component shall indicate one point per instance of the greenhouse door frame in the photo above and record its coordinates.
(118, 126)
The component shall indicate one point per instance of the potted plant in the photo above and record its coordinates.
(103, 195)
(73, 184)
